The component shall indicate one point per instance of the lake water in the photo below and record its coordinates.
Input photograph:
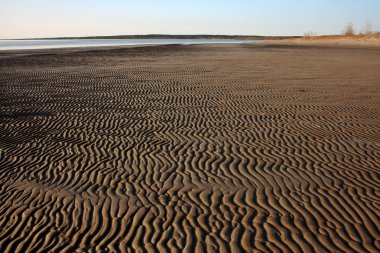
(67, 43)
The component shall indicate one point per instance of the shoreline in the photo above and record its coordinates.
(337, 43)
(99, 43)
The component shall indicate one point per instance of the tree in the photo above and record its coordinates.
(349, 29)
(368, 28)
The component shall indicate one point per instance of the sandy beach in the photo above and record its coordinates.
(190, 148)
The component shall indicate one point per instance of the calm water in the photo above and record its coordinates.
(65, 43)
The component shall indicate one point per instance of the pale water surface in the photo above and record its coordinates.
(65, 43)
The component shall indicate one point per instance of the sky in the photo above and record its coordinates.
(64, 18)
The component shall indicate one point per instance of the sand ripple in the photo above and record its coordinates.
(191, 149)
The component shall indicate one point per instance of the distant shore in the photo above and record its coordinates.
(6, 45)
(167, 36)
(372, 40)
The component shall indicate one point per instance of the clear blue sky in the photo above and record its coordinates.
(54, 18)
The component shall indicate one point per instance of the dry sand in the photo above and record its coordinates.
(336, 40)
(206, 148)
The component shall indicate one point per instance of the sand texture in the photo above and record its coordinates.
(203, 148)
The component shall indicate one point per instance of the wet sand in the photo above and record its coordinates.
(203, 148)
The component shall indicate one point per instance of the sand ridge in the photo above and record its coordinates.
(204, 148)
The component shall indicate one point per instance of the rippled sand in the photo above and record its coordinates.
(206, 148)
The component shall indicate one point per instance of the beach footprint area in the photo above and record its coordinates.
(190, 148)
